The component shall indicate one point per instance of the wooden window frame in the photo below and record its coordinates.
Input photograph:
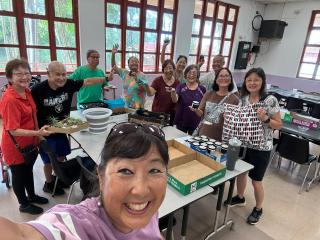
(143, 6)
(310, 28)
(19, 13)
(215, 20)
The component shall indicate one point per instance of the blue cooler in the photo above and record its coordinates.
(115, 103)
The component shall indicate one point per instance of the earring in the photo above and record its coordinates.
(100, 200)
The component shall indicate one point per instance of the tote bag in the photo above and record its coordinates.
(243, 123)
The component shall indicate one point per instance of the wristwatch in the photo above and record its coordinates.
(267, 121)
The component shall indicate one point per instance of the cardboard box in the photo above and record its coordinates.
(216, 155)
(69, 130)
(189, 170)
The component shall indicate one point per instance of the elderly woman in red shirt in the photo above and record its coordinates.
(18, 112)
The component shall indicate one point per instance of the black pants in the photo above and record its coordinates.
(22, 181)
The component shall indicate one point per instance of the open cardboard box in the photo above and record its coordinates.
(189, 170)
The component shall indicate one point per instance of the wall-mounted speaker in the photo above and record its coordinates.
(272, 29)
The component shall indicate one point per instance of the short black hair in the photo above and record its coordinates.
(166, 63)
(182, 56)
(215, 86)
(260, 72)
(90, 51)
(132, 58)
(201, 57)
(131, 146)
(189, 68)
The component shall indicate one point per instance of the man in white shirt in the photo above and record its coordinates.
(207, 80)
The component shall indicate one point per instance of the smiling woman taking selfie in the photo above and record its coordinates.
(132, 176)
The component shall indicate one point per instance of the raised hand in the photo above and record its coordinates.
(166, 42)
(115, 48)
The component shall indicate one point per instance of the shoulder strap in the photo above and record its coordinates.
(12, 137)
(14, 140)
(224, 99)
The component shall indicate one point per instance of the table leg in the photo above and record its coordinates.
(114, 93)
(185, 222)
(218, 210)
(169, 229)
(230, 193)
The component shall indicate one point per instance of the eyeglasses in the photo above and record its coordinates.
(126, 128)
(224, 76)
(20, 75)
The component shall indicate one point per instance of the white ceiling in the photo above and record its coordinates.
(280, 1)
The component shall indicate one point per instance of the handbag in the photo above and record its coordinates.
(212, 113)
(243, 123)
(29, 152)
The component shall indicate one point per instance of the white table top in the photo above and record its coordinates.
(174, 200)
(93, 144)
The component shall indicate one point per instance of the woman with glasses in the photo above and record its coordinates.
(211, 106)
(18, 111)
(186, 119)
(133, 177)
(135, 85)
(161, 88)
(252, 92)
(181, 63)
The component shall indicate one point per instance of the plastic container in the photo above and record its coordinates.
(97, 119)
(115, 103)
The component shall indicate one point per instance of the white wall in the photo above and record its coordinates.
(244, 32)
(282, 57)
(92, 29)
(183, 28)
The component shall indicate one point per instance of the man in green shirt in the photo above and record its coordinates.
(93, 93)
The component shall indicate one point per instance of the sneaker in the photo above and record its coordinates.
(48, 187)
(37, 199)
(255, 216)
(236, 201)
(30, 208)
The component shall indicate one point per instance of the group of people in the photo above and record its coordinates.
(27, 114)
(132, 172)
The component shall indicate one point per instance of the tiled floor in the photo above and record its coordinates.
(287, 214)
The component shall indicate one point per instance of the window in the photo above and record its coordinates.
(140, 27)
(213, 29)
(310, 59)
(40, 31)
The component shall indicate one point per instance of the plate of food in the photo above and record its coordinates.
(67, 125)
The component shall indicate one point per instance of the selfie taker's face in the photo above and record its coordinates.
(133, 190)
